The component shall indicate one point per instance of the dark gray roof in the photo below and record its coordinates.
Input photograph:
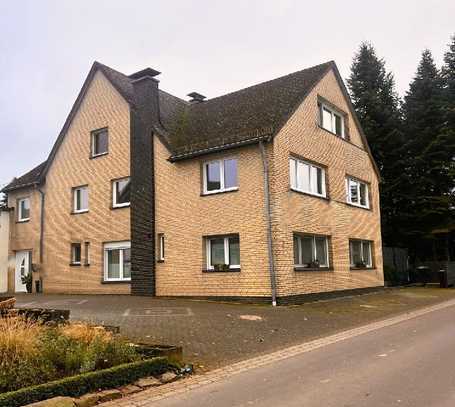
(189, 129)
(27, 180)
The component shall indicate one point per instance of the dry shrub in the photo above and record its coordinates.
(85, 333)
(18, 338)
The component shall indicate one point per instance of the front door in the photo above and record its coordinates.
(22, 269)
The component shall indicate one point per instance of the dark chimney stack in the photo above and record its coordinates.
(196, 97)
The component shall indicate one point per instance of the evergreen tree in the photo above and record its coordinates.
(428, 155)
(377, 105)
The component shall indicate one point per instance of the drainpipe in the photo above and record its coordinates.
(268, 214)
(41, 231)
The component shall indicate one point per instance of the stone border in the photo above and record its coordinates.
(148, 397)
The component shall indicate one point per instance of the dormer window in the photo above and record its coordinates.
(331, 120)
(99, 142)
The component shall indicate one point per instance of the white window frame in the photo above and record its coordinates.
(73, 257)
(95, 133)
(314, 254)
(221, 164)
(82, 210)
(293, 177)
(362, 242)
(114, 193)
(161, 247)
(20, 218)
(208, 251)
(349, 195)
(333, 113)
(115, 246)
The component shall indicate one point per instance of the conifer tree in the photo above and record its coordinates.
(377, 105)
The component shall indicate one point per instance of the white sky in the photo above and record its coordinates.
(212, 47)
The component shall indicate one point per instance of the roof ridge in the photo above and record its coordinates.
(328, 63)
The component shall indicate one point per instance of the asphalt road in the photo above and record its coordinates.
(408, 364)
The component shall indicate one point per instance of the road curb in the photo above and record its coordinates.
(148, 397)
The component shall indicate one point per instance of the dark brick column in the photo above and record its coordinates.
(144, 114)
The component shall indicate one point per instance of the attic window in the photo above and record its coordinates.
(99, 142)
(331, 119)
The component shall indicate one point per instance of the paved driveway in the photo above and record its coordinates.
(214, 334)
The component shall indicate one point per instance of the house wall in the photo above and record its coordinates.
(23, 235)
(4, 243)
(295, 212)
(184, 216)
(72, 166)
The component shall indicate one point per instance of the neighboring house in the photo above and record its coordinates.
(4, 241)
(267, 192)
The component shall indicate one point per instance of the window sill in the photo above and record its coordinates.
(78, 212)
(358, 206)
(325, 198)
(300, 268)
(221, 271)
(219, 192)
(75, 264)
(332, 133)
(362, 268)
(23, 220)
(91, 157)
(115, 281)
(120, 207)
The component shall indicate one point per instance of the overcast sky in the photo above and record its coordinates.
(212, 47)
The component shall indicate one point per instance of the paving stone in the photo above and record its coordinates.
(108, 395)
(148, 382)
(87, 400)
(168, 377)
(130, 389)
(55, 402)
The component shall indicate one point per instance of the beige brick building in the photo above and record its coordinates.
(269, 192)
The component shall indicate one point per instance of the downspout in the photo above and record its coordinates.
(268, 215)
(41, 231)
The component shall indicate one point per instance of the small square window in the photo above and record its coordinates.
(100, 142)
(357, 193)
(121, 189)
(223, 253)
(307, 177)
(76, 253)
(220, 176)
(331, 120)
(80, 199)
(23, 212)
(360, 253)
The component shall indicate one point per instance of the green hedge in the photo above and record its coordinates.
(79, 385)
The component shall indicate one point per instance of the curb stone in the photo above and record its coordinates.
(146, 398)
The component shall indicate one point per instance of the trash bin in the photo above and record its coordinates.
(423, 274)
(443, 282)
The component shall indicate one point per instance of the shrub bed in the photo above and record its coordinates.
(84, 383)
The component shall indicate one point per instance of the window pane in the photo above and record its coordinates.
(76, 253)
(307, 250)
(113, 264)
(303, 177)
(363, 194)
(326, 119)
(213, 176)
(25, 208)
(366, 253)
(100, 142)
(230, 173)
(126, 263)
(321, 251)
(356, 257)
(122, 193)
(81, 199)
(296, 250)
(216, 251)
(293, 173)
(338, 125)
(234, 251)
(320, 181)
(354, 197)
